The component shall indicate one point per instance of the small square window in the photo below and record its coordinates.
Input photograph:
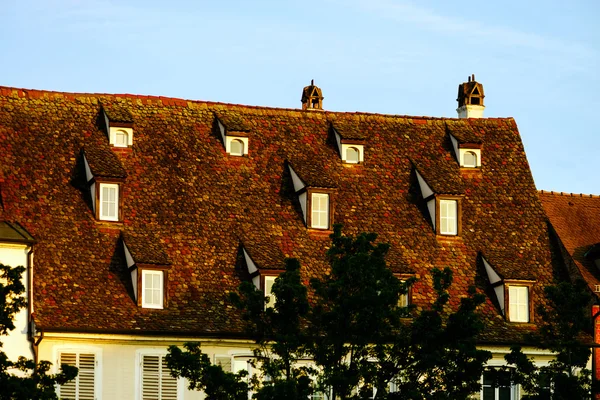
(518, 303)
(121, 138)
(448, 217)
(152, 289)
(109, 202)
(319, 211)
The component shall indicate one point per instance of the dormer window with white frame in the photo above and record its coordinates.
(149, 280)
(467, 154)
(444, 210)
(105, 190)
(119, 130)
(235, 145)
(514, 296)
(316, 203)
(351, 150)
(268, 281)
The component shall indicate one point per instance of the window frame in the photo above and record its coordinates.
(530, 300)
(142, 289)
(78, 350)
(139, 358)
(99, 201)
(438, 215)
(403, 278)
(355, 149)
(309, 209)
(121, 133)
(237, 153)
(514, 389)
(270, 295)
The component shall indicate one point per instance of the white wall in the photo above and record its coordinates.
(16, 344)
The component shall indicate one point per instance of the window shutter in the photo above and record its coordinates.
(83, 386)
(157, 382)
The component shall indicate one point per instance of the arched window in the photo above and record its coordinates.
(236, 147)
(352, 155)
(470, 159)
(121, 139)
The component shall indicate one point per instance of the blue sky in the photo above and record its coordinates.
(538, 60)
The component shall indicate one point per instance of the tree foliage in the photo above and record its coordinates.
(356, 333)
(560, 329)
(23, 379)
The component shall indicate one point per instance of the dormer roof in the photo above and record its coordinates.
(12, 232)
(103, 162)
(145, 248)
(118, 114)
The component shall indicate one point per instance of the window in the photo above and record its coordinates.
(83, 387)
(319, 211)
(352, 155)
(152, 289)
(236, 147)
(269, 281)
(497, 386)
(448, 217)
(156, 380)
(121, 138)
(518, 303)
(470, 159)
(109, 202)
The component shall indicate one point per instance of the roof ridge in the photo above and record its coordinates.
(178, 101)
(552, 192)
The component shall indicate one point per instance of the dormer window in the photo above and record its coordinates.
(267, 288)
(119, 125)
(316, 203)
(148, 266)
(350, 146)
(444, 210)
(234, 136)
(514, 296)
(468, 154)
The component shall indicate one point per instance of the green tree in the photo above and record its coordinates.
(362, 339)
(31, 381)
(563, 324)
(278, 331)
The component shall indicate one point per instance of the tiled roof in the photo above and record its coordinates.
(118, 112)
(463, 131)
(203, 204)
(103, 161)
(576, 220)
(145, 247)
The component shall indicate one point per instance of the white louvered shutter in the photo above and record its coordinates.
(157, 382)
(83, 386)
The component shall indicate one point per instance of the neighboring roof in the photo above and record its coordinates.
(201, 204)
(10, 232)
(576, 220)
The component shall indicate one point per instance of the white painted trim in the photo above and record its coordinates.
(449, 212)
(88, 171)
(499, 290)
(431, 209)
(112, 337)
(251, 266)
(93, 194)
(492, 275)
(222, 130)
(229, 139)
(298, 183)
(83, 348)
(470, 111)
(113, 135)
(155, 351)
(455, 147)
(161, 275)
(359, 147)
(313, 210)
(128, 257)
(477, 153)
(101, 208)
(425, 189)
(302, 198)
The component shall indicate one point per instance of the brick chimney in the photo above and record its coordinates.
(312, 97)
(470, 99)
